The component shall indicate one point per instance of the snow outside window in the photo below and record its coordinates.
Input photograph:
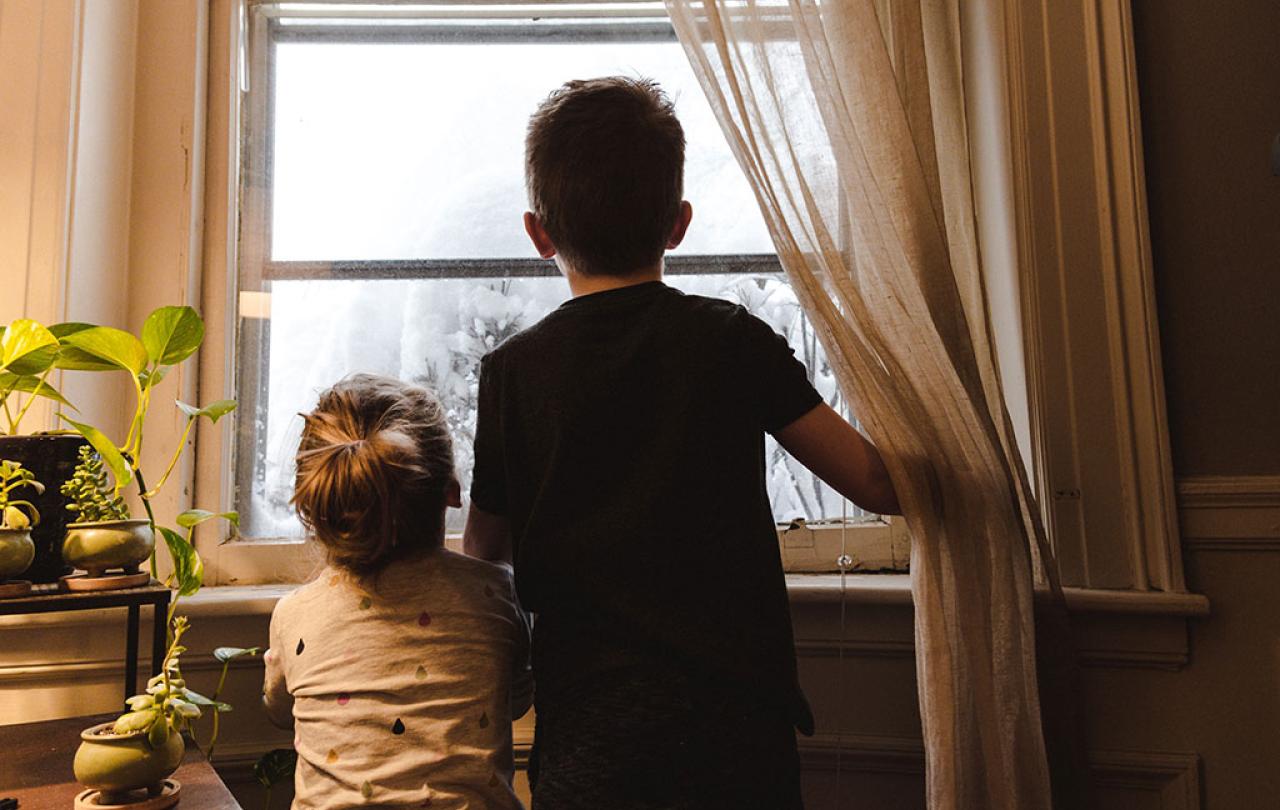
(381, 223)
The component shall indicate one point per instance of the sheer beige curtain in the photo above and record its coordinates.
(848, 118)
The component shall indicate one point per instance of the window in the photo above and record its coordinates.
(380, 230)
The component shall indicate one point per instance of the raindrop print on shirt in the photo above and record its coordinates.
(301, 646)
(397, 727)
(424, 619)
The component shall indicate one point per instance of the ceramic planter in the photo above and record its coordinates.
(52, 459)
(16, 553)
(108, 544)
(118, 763)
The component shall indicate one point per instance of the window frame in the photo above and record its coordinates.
(873, 544)
(1039, 92)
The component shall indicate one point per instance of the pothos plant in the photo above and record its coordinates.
(169, 336)
(28, 355)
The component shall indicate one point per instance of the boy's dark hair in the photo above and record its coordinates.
(604, 168)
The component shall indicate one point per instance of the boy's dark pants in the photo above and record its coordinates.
(642, 739)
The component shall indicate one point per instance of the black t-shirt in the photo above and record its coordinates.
(623, 438)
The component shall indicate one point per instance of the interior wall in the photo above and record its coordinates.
(1209, 78)
(98, 230)
(1209, 83)
(39, 58)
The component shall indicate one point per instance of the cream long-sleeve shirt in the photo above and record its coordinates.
(402, 691)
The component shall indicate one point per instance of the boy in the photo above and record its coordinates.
(620, 465)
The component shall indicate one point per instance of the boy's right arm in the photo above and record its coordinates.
(838, 454)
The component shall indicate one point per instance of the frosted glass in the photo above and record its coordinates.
(434, 333)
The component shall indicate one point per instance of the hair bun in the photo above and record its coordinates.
(373, 463)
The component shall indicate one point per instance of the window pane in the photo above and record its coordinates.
(434, 333)
(415, 150)
(402, 149)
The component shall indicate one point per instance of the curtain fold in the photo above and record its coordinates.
(848, 119)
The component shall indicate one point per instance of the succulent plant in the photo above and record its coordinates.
(17, 514)
(90, 492)
(168, 705)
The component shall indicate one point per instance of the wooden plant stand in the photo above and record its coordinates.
(52, 599)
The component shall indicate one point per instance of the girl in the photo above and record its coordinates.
(403, 665)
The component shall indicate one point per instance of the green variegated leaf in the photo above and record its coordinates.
(154, 376)
(27, 348)
(89, 349)
(225, 654)
(172, 334)
(194, 517)
(14, 518)
(214, 410)
(200, 700)
(188, 568)
(31, 385)
(159, 731)
(61, 330)
(182, 707)
(107, 449)
(135, 721)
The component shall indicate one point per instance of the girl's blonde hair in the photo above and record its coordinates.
(374, 466)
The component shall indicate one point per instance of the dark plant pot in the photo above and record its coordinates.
(53, 460)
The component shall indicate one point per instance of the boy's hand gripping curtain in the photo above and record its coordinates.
(848, 118)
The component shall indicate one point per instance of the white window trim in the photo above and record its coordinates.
(1084, 256)
(1102, 209)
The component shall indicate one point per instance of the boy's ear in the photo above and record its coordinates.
(453, 494)
(682, 225)
(538, 235)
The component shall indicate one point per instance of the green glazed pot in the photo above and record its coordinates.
(16, 552)
(118, 763)
(96, 547)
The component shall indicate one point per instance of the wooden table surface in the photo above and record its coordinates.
(35, 768)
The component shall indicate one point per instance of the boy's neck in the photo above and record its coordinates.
(581, 285)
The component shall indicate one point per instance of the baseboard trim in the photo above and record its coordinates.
(853, 648)
(865, 753)
(104, 669)
(1223, 491)
(1173, 776)
(1230, 513)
